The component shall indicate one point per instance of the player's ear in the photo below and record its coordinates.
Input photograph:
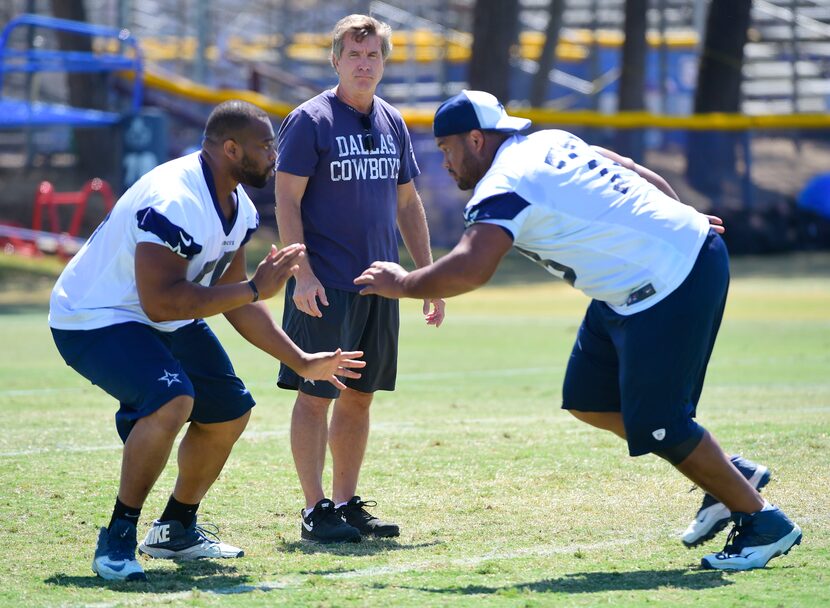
(231, 148)
(476, 139)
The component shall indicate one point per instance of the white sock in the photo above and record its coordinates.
(767, 506)
(341, 504)
(307, 511)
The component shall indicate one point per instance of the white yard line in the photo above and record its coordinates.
(377, 427)
(517, 371)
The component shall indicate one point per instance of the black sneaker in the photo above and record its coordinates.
(325, 525)
(355, 515)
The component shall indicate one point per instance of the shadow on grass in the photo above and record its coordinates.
(369, 546)
(204, 575)
(597, 582)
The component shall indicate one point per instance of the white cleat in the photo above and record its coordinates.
(115, 554)
(755, 539)
(713, 515)
(171, 540)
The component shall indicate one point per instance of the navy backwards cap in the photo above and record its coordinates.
(474, 110)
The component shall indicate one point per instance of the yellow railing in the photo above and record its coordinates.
(420, 45)
(188, 89)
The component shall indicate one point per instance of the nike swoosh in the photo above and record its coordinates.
(184, 239)
(308, 527)
(116, 567)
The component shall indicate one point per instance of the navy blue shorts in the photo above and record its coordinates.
(350, 322)
(145, 368)
(651, 365)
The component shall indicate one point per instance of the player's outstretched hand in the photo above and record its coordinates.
(328, 366)
(382, 279)
(436, 316)
(274, 270)
(716, 224)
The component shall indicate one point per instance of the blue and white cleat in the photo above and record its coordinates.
(171, 540)
(713, 515)
(115, 554)
(755, 540)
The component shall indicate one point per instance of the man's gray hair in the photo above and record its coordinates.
(358, 27)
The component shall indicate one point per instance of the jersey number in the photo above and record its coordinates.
(217, 267)
(614, 178)
(566, 272)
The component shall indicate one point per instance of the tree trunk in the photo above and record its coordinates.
(86, 90)
(547, 60)
(633, 78)
(494, 32)
(711, 155)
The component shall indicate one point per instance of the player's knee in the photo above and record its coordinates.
(679, 452)
(171, 416)
(607, 421)
(236, 426)
(581, 416)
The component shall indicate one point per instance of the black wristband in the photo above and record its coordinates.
(252, 285)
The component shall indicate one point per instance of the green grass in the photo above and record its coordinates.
(503, 499)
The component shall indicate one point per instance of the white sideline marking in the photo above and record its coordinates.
(517, 371)
(438, 562)
(392, 427)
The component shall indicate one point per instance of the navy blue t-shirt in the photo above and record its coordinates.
(349, 208)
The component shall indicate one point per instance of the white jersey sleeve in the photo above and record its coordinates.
(586, 219)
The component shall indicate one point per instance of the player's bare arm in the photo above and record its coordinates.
(412, 222)
(255, 323)
(167, 295)
(289, 190)
(650, 176)
(468, 266)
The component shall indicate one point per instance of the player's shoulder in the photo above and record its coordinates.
(177, 187)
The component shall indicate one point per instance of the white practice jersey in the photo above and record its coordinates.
(173, 205)
(583, 217)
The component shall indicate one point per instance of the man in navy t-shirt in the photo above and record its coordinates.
(344, 182)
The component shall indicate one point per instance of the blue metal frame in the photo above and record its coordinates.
(33, 60)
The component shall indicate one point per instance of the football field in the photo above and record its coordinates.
(503, 499)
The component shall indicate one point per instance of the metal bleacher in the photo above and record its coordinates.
(26, 111)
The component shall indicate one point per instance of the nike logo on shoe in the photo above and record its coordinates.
(308, 526)
(158, 535)
(114, 566)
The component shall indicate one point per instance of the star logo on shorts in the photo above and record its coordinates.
(170, 378)
(309, 380)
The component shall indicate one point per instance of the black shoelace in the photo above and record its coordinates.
(357, 507)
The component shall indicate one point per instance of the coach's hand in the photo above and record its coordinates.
(307, 290)
(327, 366)
(274, 270)
(436, 317)
(382, 279)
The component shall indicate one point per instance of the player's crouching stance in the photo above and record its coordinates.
(657, 272)
(127, 312)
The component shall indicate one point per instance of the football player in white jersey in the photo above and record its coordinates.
(127, 311)
(658, 273)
